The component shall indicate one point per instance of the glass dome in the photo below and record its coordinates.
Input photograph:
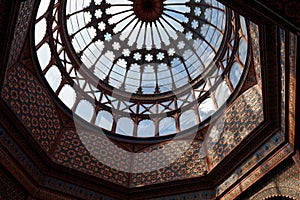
(142, 68)
(146, 46)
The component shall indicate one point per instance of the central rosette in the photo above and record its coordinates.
(148, 10)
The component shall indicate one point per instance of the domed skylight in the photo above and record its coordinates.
(141, 68)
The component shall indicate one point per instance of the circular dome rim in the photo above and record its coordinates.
(134, 139)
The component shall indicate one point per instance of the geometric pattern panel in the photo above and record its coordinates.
(191, 164)
(72, 153)
(32, 105)
(242, 117)
(254, 32)
(9, 190)
(93, 153)
(21, 30)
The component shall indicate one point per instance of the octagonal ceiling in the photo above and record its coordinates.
(153, 131)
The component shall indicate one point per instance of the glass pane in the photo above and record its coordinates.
(222, 93)
(167, 126)
(68, 96)
(146, 128)
(187, 119)
(206, 109)
(53, 77)
(104, 120)
(85, 110)
(235, 74)
(125, 126)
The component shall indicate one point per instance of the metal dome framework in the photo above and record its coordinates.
(130, 82)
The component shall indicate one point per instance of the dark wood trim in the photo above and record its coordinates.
(266, 175)
(259, 12)
(11, 19)
(297, 96)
